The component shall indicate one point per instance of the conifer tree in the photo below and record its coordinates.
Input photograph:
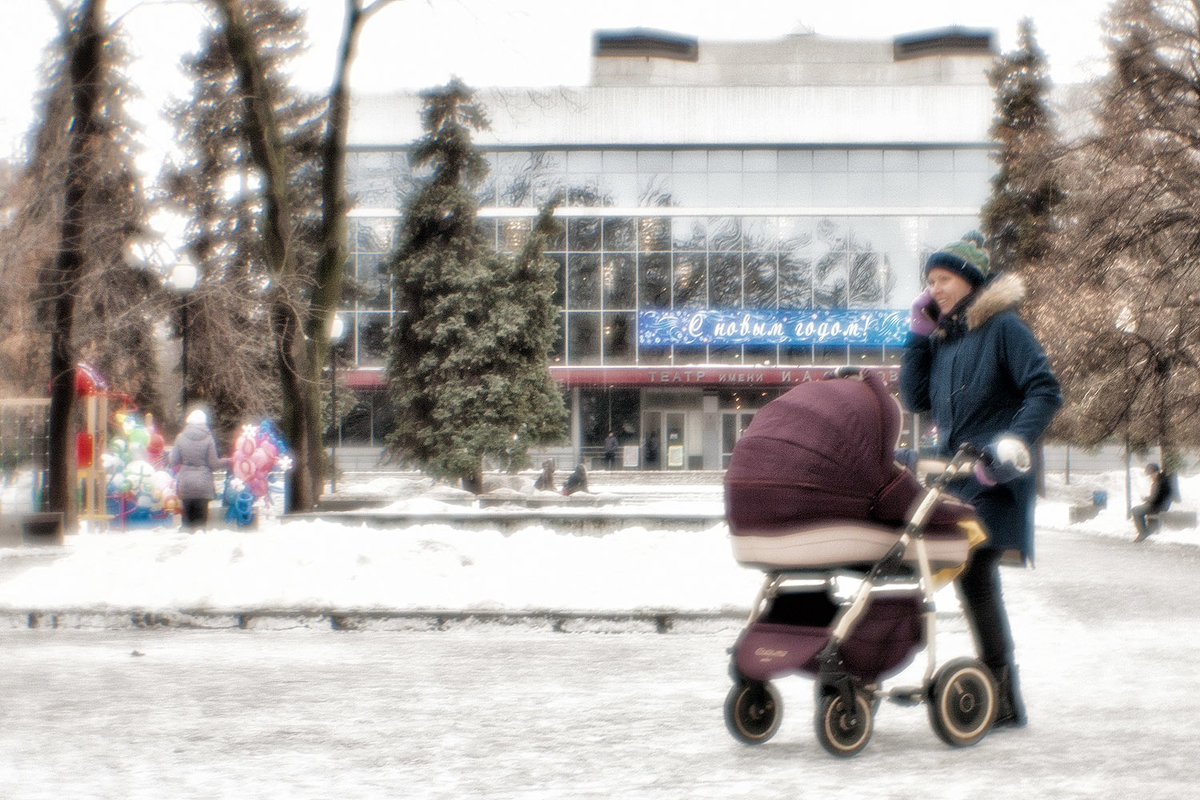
(1019, 218)
(468, 355)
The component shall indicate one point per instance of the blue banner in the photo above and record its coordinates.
(868, 327)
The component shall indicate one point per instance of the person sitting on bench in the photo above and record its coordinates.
(1158, 501)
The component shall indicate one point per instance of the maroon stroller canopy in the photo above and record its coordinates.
(824, 450)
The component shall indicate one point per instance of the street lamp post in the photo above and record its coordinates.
(336, 329)
(183, 280)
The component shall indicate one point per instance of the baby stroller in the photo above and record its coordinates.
(851, 545)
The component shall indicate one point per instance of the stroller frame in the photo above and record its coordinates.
(961, 694)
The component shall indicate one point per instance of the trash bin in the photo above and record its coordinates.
(42, 528)
(1100, 499)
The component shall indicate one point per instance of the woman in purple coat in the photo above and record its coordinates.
(194, 457)
(978, 370)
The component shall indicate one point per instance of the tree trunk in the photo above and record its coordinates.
(85, 67)
(267, 154)
(301, 357)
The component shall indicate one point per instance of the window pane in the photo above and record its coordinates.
(832, 277)
(690, 289)
(654, 234)
(620, 281)
(655, 280)
(619, 333)
(583, 233)
(760, 233)
(583, 290)
(375, 281)
(795, 281)
(760, 280)
(372, 337)
(725, 280)
(584, 333)
(512, 234)
(373, 234)
(689, 233)
(725, 234)
(620, 233)
(725, 188)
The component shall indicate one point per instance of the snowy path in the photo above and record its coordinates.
(1106, 633)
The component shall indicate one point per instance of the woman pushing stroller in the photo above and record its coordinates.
(973, 364)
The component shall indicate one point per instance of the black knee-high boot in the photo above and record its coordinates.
(1010, 708)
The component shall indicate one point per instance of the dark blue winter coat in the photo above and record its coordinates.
(983, 375)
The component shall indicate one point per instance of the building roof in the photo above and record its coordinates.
(652, 88)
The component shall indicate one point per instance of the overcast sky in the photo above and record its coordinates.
(420, 43)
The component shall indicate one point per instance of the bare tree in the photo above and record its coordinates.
(300, 315)
(72, 212)
(232, 367)
(1128, 349)
(86, 73)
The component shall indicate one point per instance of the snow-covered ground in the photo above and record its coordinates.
(1104, 629)
(302, 565)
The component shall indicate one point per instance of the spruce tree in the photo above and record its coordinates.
(1019, 217)
(468, 354)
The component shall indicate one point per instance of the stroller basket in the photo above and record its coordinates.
(786, 638)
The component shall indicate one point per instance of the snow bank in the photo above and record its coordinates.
(306, 565)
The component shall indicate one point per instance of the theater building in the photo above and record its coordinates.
(738, 217)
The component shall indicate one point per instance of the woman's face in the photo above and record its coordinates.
(947, 288)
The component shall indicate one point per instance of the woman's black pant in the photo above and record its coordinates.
(195, 514)
(983, 602)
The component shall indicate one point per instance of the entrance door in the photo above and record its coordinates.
(653, 453)
(733, 425)
(674, 452)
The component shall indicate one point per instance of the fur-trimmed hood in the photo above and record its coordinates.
(1005, 293)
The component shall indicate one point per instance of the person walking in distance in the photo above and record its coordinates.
(194, 459)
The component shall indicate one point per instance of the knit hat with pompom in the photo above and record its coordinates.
(965, 258)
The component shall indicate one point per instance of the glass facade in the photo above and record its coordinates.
(758, 231)
(695, 228)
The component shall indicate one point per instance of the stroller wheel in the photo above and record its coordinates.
(962, 702)
(753, 711)
(840, 732)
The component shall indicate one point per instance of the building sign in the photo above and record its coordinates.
(707, 375)
(817, 326)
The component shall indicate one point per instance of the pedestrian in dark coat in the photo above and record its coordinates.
(611, 445)
(577, 481)
(194, 457)
(979, 371)
(545, 481)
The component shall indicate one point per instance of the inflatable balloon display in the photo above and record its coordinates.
(257, 471)
(140, 490)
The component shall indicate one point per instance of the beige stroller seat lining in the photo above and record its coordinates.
(838, 544)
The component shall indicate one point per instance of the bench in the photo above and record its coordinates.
(1082, 513)
(1175, 520)
(37, 528)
